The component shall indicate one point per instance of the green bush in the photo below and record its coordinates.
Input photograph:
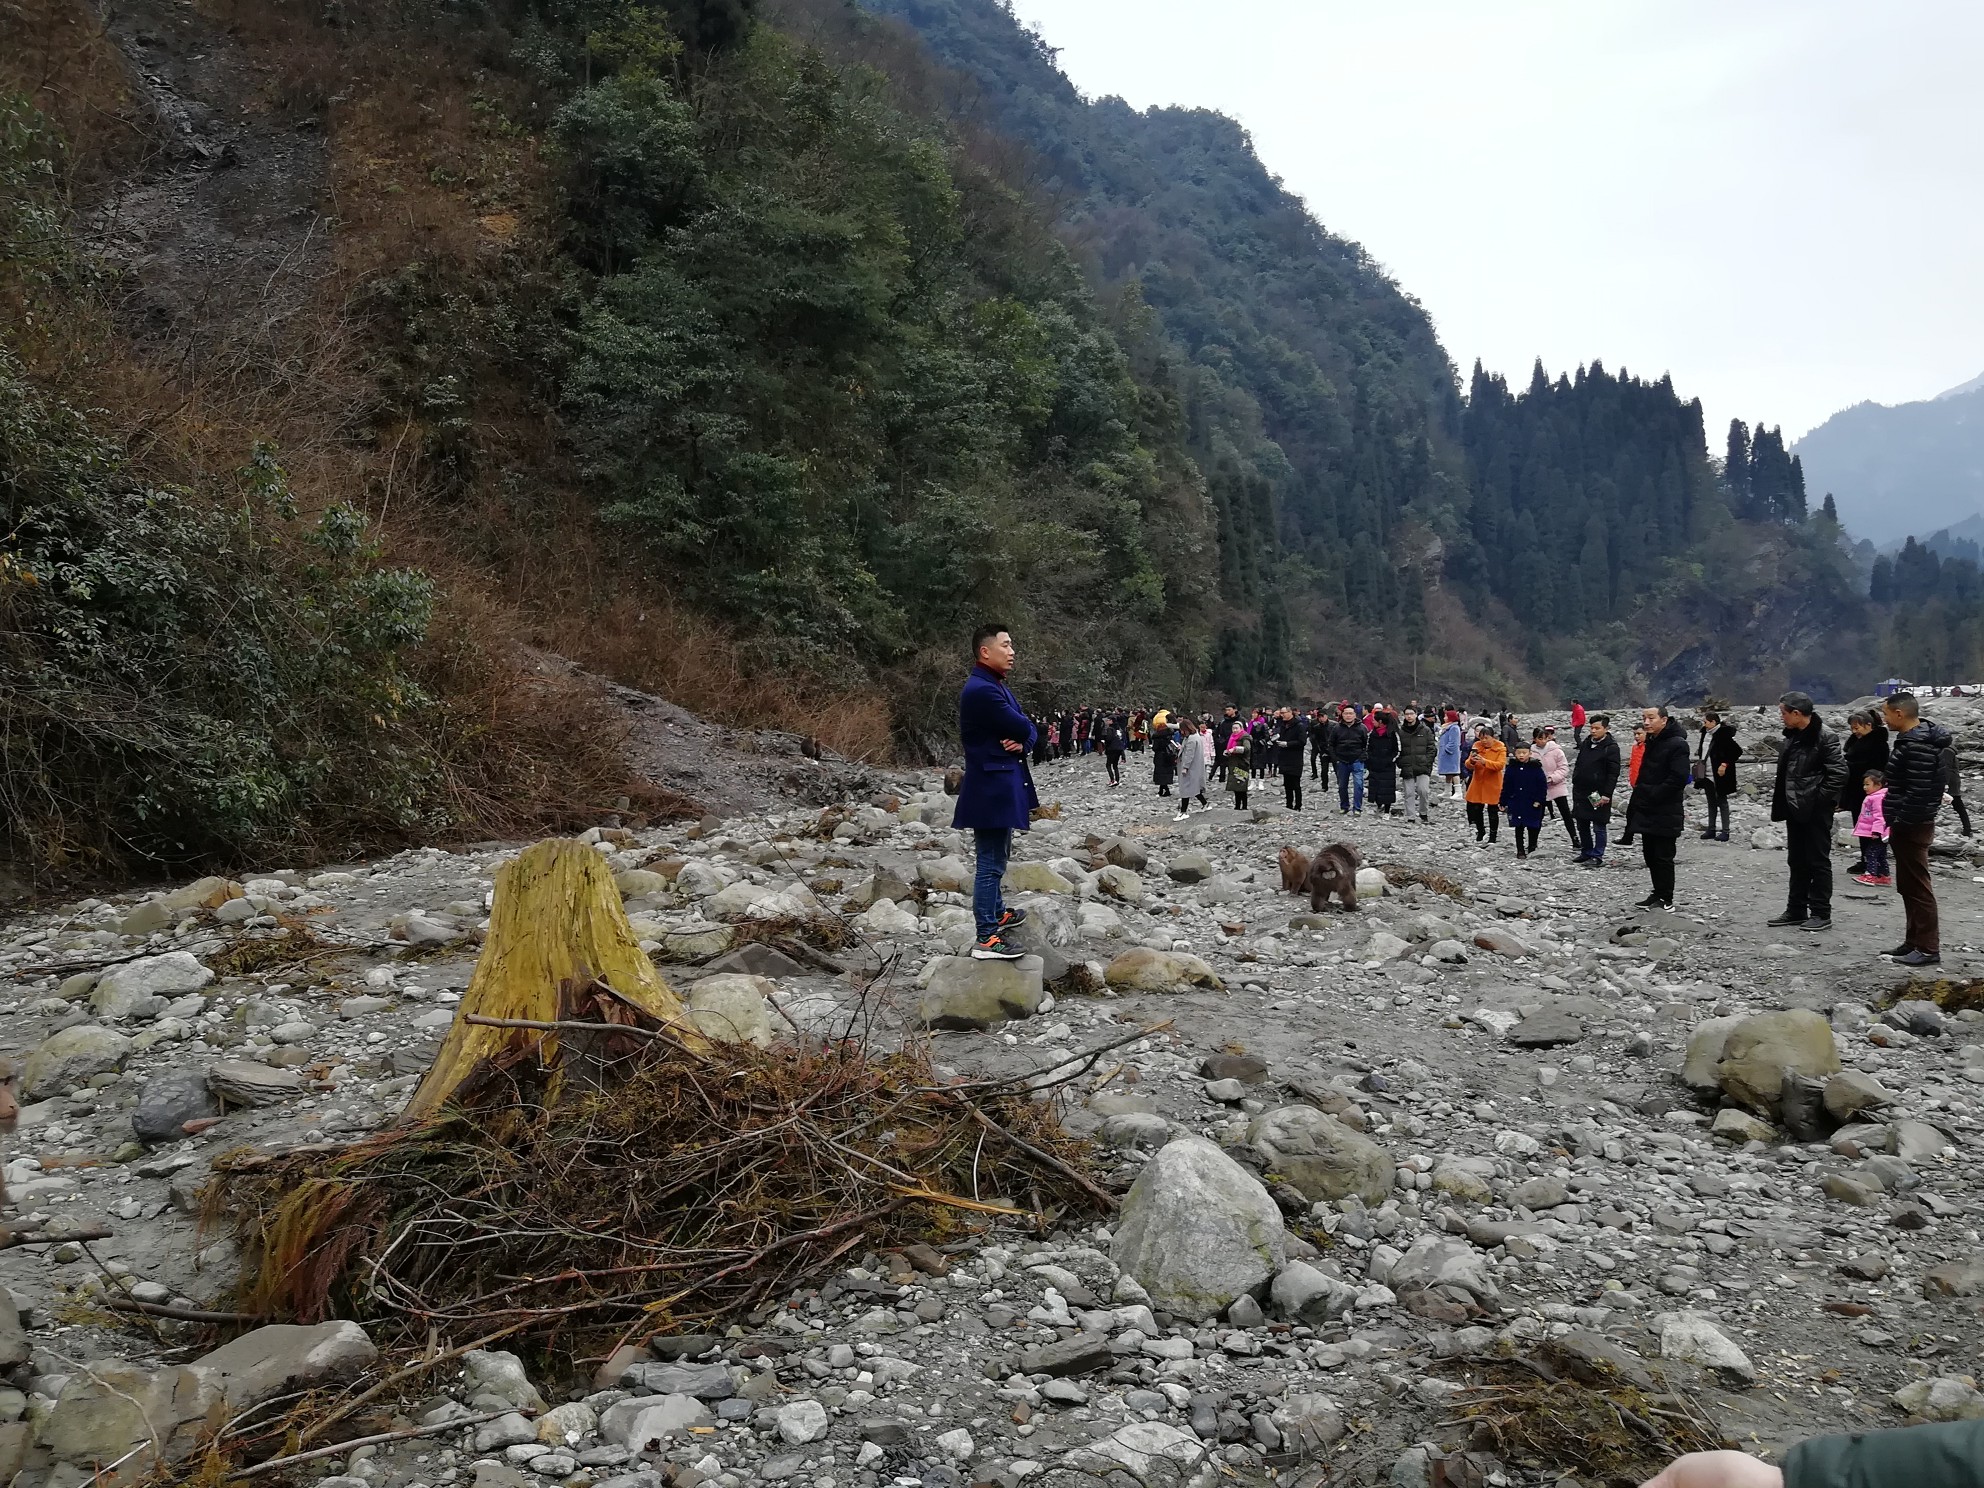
(187, 677)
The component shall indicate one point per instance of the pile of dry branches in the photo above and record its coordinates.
(674, 1189)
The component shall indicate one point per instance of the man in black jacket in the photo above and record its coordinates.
(1594, 778)
(1654, 810)
(1418, 750)
(1348, 746)
(1915, 795)
(1811, 767)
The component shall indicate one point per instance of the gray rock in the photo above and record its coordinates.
(1540, 1193)
(1705, 1043)
(697, 1381)
(1320, 1156)
(69, 1057)
(1949, 1397)
(1732, 1125)
(1916, 1142)
(755, 958)
(1303, 1294)
(1246, 1068)
(733, 1008)
(1546, 1028)
(1082, 1354)
(1308, 1423)
(1197, 1230)
(1142, 969)
(1760, 1048)
(241, 1082)
(494, 1372)
(124, 990)
(511, 1430)
(1190, 868)
(801, 1421)
(111, 1411)
(170, 1099)
(1964, 1278)
(13, 1336)
(651, 1419)
(270, 1360)
(1125, 854)
(1849, 1093)
(965, 994)
(1452, 1267)
(1695, 1339)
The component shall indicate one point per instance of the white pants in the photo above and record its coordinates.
(1418, 791)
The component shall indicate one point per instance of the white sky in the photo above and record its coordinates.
(1781, 202)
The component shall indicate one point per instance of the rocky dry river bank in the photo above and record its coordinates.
(1496, 1111)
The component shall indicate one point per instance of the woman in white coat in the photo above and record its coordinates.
(1194, 765)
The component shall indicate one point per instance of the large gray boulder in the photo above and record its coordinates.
(733, 1008)
(114, 1412)
(1321, 1156)
(1453, 1268)
(961, 993)
(13, 1337)
(1759, 1049)
(1197, 1230)
(1142, 969)
(69, 1058)
(128, 990)
(285, 1356)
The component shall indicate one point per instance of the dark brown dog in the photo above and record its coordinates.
(1333, 871)
(1294, 870)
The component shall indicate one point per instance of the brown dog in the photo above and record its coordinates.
(1333, 871)
(1294, 870)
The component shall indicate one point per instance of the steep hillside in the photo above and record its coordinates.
(1321, 404)
(1907, 469)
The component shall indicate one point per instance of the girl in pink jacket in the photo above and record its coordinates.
(1556, 774)
(1872, 830)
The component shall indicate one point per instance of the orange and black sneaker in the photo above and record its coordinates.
(1011, 918)
(994, 948)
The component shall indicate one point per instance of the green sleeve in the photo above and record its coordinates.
(1949, 1454)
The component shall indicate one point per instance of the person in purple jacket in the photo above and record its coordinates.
(996, 797)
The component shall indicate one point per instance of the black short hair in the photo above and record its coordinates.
(1709, 715)
(1797, 702)
(985, 633)
(1604, 718)
(1876, 776)
(1660, 708)
(1904, 703)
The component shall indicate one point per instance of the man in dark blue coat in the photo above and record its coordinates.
(996, 798)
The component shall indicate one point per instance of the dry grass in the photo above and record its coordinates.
(668, 1190)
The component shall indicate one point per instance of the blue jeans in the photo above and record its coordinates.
(1348, 771)
(988, 900)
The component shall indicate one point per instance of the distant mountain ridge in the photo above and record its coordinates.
(1907, 469)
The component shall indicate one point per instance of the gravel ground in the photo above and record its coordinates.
(1511, 1051)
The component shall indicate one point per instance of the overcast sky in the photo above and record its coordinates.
(1781, 202)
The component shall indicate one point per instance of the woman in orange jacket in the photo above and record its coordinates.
(1484, 784)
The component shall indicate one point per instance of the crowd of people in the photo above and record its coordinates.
(1891, 775)
(1402, 760)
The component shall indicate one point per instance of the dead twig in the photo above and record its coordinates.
(181, 1314)
(276, 1463)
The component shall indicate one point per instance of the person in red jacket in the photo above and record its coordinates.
(1577, 721)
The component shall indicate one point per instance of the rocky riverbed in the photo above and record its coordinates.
(1495, 1111)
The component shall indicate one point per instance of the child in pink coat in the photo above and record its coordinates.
(1872, 830)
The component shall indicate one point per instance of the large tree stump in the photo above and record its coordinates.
(556, 923)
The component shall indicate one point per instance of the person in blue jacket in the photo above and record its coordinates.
(996, 797)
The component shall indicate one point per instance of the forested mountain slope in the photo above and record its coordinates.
(746, 355)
